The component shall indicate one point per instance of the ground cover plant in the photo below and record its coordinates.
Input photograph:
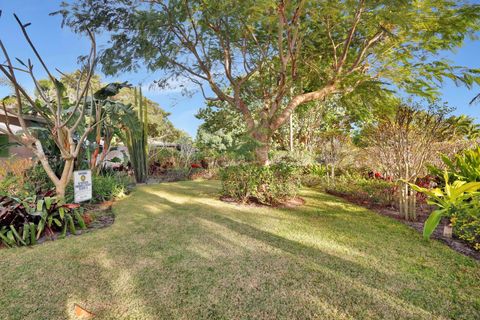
(200, 256)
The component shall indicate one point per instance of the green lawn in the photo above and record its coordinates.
(176, 252)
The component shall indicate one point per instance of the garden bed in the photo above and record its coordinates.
(423, 212)
(96, 216)
(102, 217)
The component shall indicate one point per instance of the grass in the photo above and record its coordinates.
(176, 252)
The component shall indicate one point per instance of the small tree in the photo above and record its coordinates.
(63, 118)
(403, 143)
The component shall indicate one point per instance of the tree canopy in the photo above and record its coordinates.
(282, 54)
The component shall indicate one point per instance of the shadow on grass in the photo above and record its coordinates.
(176, 252)
(269, 274)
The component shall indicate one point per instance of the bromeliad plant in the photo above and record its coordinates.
(448, 200)
(23, 222)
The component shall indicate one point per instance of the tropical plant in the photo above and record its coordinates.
(126, 121)
(135, 138)
(465, 166)
(448, 200)
(24, 221)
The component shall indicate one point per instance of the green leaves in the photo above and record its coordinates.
(23, 222)
(447, 200)
(263, 184)
(431, 223)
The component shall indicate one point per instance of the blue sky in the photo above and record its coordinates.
(60, 48)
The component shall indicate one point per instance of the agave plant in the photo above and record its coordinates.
(447, 200)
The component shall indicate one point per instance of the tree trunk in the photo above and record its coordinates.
(262, 149)
(60, 191)
(407, 202)
(61, 186)
(261, 155)
(291, 132)
(413, 205)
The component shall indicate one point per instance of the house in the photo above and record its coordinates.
(15, 150)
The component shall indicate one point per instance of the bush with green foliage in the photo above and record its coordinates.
(465, 166)
(364, 190)
(466, 223)
(105, 187)
(464, 214)
(268, 185)
(313, 174)
(38, 180)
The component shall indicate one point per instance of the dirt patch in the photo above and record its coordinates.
(292, 203)
(422, 214)
(102, 215)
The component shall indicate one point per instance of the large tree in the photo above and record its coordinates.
(282, 53)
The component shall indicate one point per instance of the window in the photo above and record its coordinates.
(4, 146)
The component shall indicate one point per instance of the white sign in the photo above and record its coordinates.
(82, 185)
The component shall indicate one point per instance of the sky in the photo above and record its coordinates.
(60, 48)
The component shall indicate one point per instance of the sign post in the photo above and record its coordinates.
(82, 183)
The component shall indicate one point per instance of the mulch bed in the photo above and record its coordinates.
(103, 214)
(422, 214)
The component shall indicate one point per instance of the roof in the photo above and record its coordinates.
(25, 117)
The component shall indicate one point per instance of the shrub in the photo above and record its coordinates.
(372, 191)
(263, 184)
(104, 187)
(448, 200)
(465, 213)
(298, 157)
(14, 176)
(313, 174)
(465, 166)
(38, 180)
(466, 223)
(206, 174)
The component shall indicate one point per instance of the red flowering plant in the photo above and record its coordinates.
(427, 182)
